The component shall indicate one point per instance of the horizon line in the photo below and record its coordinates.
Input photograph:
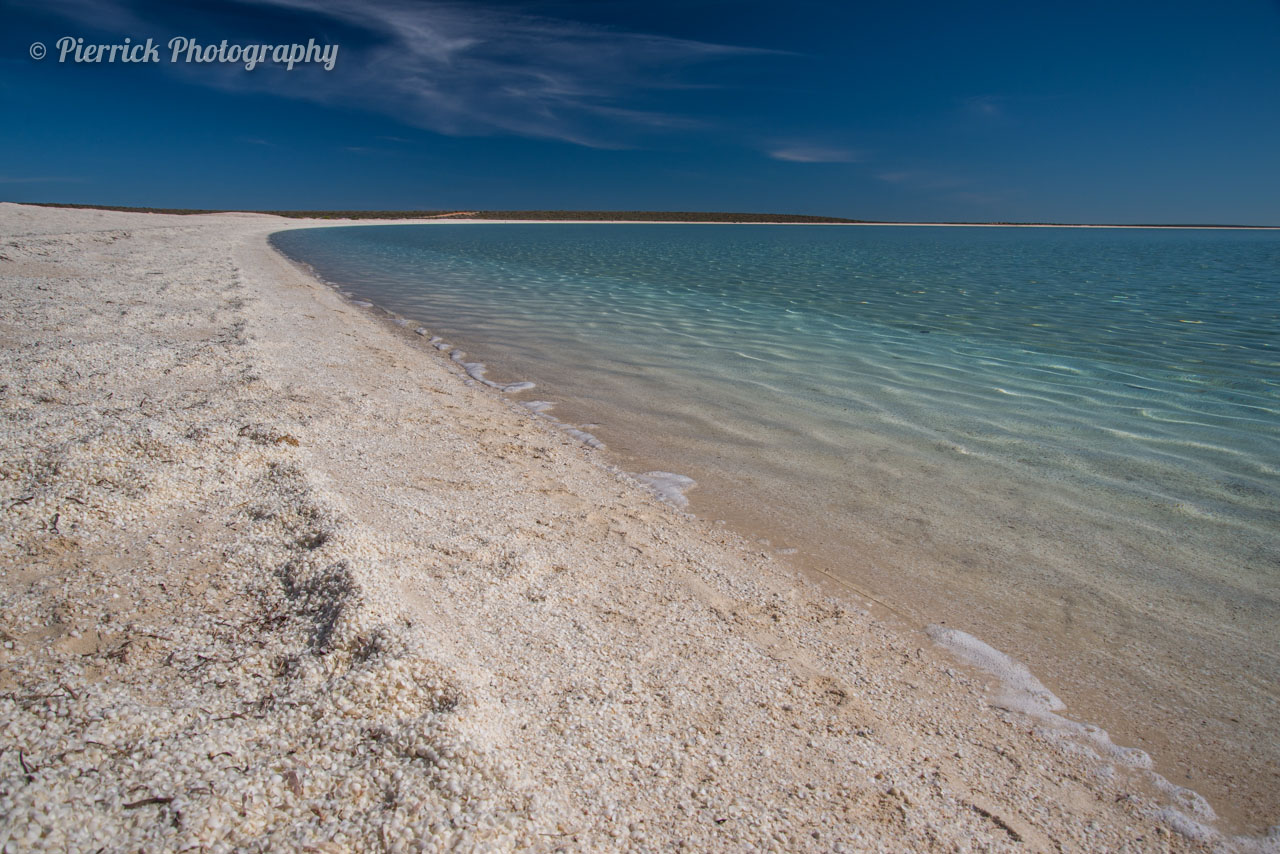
(624, 216)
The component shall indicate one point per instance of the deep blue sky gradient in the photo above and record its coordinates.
(1081, 112)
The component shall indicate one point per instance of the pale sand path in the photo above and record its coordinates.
(274, 577)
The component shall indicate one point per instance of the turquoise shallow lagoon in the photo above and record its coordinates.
(1063, 441)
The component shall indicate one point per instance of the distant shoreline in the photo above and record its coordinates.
(682, 217)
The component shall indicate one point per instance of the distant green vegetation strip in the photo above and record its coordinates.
(622, 216)
(629, 216)
(653, 216)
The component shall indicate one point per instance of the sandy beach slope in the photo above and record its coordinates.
(275, 577)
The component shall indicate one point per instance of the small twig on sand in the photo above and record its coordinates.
(27, 768)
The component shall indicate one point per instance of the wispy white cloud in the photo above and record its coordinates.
(815, 154)
(470, 69)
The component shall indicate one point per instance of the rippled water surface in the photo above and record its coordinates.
(1064, 441)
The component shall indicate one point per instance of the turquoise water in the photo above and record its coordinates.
(1064, 441)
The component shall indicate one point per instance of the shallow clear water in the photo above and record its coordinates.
(1064, 441)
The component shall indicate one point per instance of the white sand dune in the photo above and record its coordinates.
(275, 577)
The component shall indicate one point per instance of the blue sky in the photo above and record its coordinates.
(1101, 112)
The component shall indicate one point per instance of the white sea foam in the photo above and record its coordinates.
(1023, 691)
(1187, 799)
(476, 370)
(1187, 826)
(543, 408)
(585, 438)
(668, 486)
